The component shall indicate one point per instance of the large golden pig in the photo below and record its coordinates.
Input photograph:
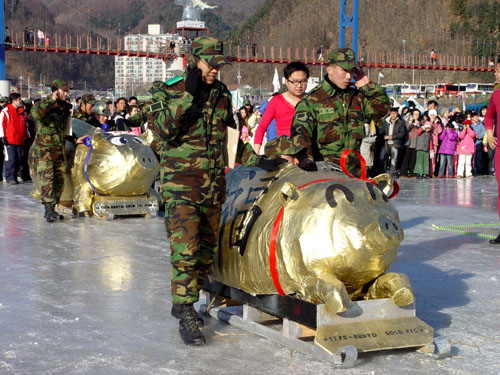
(111, 176)
(118, 165)
(320, 236)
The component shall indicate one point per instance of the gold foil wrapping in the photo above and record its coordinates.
(336, 238)
(118, 165)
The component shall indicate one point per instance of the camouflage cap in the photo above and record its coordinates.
(4, 99)
(343, 57)
(89, 99)
(246, 102)
(210, 50)
(60, 84)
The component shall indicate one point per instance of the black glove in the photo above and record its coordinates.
(308, 165)
(192, 81)
(270, 164)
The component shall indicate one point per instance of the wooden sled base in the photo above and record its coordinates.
(334, 338)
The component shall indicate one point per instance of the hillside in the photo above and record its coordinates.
(456, 27)
(113, 19)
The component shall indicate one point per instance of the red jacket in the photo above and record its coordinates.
(14, 127)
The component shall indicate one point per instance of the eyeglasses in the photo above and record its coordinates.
(298, 83)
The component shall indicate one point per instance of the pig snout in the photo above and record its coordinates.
(384, 233)
(146, 160)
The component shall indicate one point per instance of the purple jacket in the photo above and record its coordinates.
(448, 139)
(467, 137)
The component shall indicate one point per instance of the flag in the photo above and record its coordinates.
(276, 81)
(380, 75)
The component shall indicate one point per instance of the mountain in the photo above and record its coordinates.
(453, 27)
(113, 19)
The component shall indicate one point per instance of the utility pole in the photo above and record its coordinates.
(4, 84)
(2, 38)
(351, 21)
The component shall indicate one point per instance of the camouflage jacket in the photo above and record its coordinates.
(51, 117)
(190, 138)
(80, 115)
(329, 120)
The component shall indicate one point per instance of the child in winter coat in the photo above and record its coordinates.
(422, 147)
(448, 139)
(466, 149)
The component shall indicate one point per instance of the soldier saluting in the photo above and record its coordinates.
(189, 120)
(331, 117)
(51, 115)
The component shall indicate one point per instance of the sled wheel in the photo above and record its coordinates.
(346, 356)
(442, 348)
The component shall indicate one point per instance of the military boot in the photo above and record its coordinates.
(50, 214)
(176, 313)
(188, 326)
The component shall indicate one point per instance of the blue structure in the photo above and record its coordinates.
(2, 38)
(346, 21)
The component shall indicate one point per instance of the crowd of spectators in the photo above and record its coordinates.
(410, 143)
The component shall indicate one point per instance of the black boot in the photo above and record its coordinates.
(176, 313)
(496, 241)
(50, 214)
(188, 327)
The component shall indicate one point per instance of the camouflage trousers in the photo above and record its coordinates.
(193, 231)
(49, 164)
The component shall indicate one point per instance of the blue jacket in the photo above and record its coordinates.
(478, 127)
(271, 132)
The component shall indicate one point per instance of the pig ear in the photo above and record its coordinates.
(288, 193)
(384, 182)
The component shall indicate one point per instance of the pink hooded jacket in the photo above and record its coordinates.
(467, 137)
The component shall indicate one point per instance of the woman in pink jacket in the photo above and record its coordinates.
(466, 149)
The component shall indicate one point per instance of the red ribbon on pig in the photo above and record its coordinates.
(343, 163)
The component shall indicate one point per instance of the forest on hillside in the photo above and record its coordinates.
(451, 27)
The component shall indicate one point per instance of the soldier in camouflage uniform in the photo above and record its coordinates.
(331, 117)
(51, 115)
(84, 112)
(189, 119)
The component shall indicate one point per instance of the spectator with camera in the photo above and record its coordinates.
(466, 149)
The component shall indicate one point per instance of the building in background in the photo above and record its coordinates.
(134, 75)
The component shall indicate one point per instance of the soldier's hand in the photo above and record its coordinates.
(270, 164)
(360, 78)
(192, 81)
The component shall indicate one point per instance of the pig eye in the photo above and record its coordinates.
(371, 191)
(139, 140)
(330, 197)
(118, 141)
